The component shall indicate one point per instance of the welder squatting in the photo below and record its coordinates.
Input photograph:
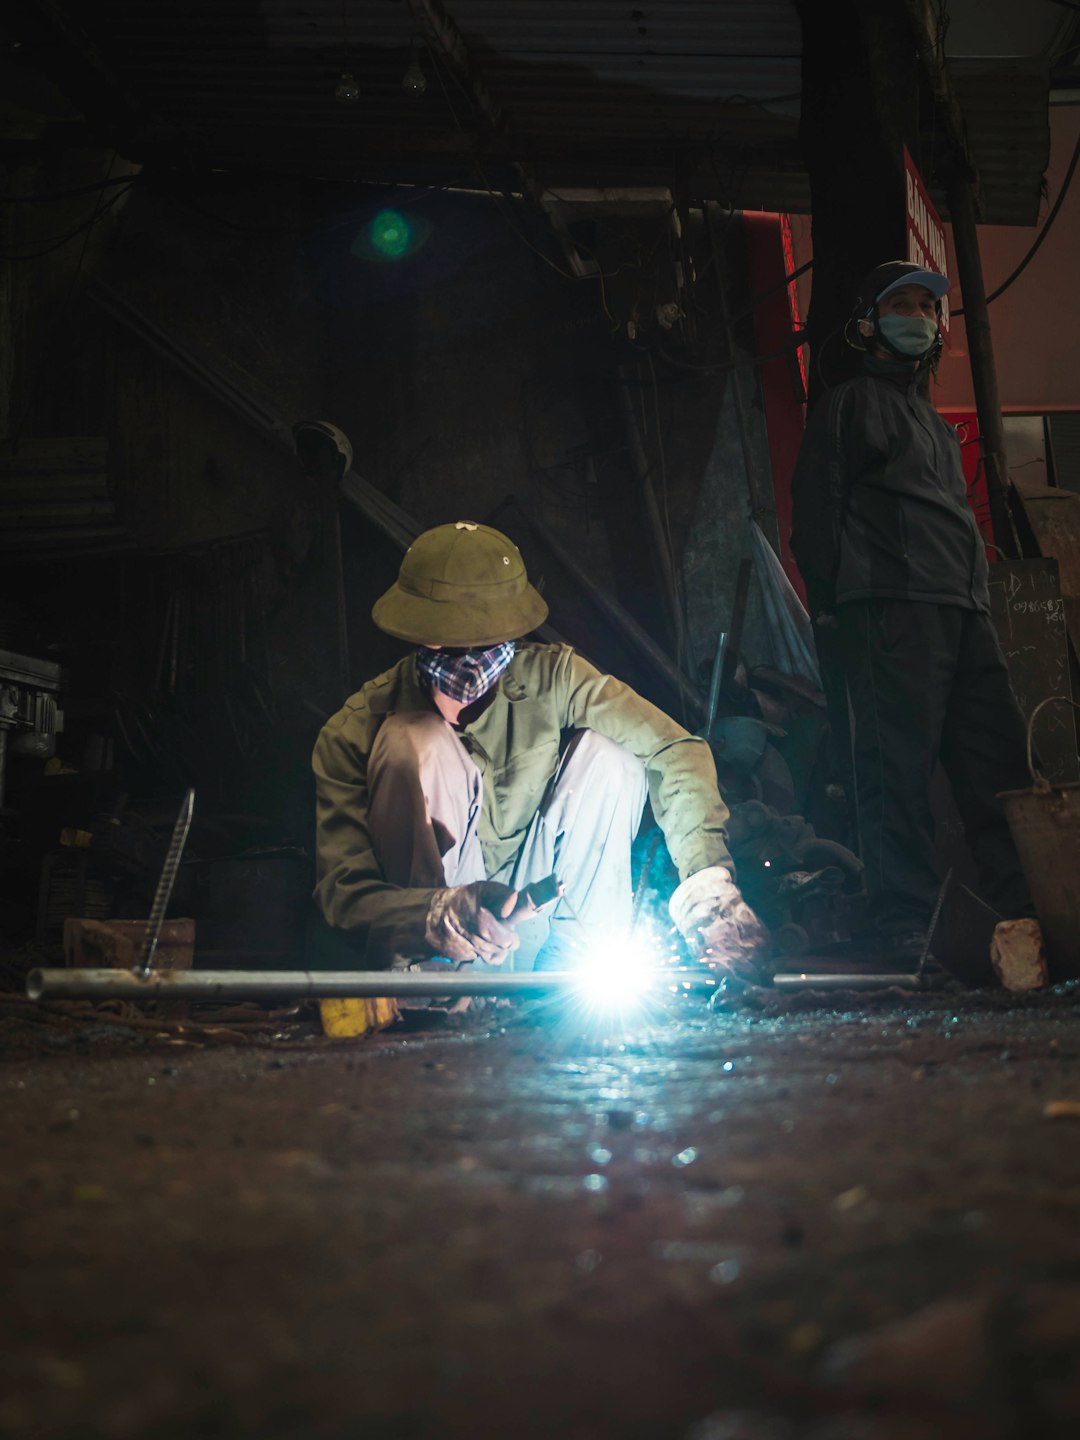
(482, 763)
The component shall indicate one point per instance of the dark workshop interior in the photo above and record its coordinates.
(287, 285)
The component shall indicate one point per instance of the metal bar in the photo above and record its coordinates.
(396, 524)
(714, 683)
(801, 981)
(195, 365)
(165, 885)
(20, 539)
(75, 549)
(758, 506)
(29, 671)
(934, 918)
(965, 202)
(42, 514)
(663, 559)
(981, 351)
(207, 985)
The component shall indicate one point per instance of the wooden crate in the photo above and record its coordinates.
(116, 944)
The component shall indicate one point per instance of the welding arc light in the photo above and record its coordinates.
(617, 974)
(390, 234)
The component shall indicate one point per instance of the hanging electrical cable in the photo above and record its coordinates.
(41, 196)
(36, 378)
(99, 213)
(1051, 217)
(756, 300)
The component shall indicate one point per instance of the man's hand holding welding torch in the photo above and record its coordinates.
(718, 926)
(472, 922)
(476, 921)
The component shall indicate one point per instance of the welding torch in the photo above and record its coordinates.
(536, 896)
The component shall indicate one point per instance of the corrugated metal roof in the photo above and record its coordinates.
(599, 92)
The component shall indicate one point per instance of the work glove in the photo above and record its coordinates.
(718, 925)
(469, 922)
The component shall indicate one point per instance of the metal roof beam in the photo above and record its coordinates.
(925, 27)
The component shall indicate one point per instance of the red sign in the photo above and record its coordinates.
(925, 232)
(788, 245)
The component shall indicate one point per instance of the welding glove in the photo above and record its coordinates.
(718, 925)
(469, 922)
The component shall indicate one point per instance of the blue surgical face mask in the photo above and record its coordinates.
(912, 335)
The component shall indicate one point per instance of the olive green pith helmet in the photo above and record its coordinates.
(460, 585)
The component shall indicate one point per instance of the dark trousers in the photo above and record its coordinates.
(928, 682)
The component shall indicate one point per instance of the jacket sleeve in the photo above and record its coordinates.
(681, 773)
(819, 490)
(354, 896)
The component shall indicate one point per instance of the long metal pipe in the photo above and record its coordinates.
(809, 981)
(211, 985)
(62, 984)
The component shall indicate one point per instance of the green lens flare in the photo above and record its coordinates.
(390, 234)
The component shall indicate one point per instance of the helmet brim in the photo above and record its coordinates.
(469, 624)
(938, 285)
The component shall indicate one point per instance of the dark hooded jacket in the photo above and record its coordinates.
(879, 501)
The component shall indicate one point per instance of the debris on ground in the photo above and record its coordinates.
(1017, 955)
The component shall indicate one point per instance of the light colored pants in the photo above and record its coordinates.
(426, 794)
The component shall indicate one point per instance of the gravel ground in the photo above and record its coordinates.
(809, 1223)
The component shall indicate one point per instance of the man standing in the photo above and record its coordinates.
(893, 560)
(480, 763)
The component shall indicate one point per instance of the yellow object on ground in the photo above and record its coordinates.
(345, 1018)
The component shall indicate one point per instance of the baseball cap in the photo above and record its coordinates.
(883, 279)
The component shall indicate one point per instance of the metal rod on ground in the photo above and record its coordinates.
(845, 982)
(213, 985)
(934, 918)
(165, 885)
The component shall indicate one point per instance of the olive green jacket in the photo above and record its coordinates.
(547, 693)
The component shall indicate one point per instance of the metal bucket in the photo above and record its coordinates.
(1045, 826)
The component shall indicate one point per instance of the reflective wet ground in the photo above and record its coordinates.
(814, 1224)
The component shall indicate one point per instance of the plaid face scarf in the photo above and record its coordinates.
(464, 675)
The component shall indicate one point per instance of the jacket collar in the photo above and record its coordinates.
(895, 372)
(410, 692)
(398, 688)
